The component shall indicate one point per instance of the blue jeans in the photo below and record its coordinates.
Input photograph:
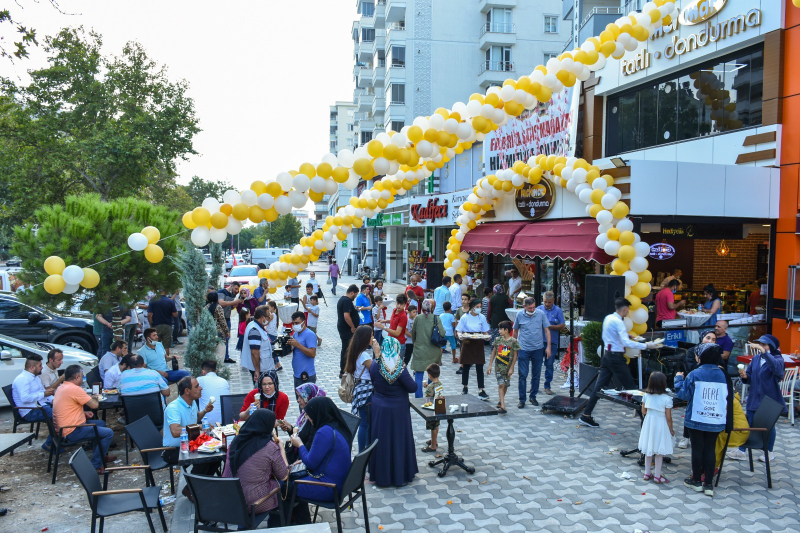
(176, 326)
(106, 338)
(772, 434)
(365, 412)
(36, 415)
(418, 378)
(174, 376)
(106, 434)
(228, 323)
(525, 359)
(548, 365)
(333, 283)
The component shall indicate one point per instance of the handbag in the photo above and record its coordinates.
(437, 339)
(300, 470)
(347, 385)
(328, 281)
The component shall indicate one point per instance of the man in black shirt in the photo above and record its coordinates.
(160, 313)
(347, 322)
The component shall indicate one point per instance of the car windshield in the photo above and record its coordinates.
(244, 271)
(17, 342)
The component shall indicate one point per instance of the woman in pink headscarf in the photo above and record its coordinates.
(248, 301)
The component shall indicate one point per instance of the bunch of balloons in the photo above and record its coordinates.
(146, 241)
(713, 92)
(67, 279)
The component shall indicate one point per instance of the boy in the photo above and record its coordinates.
(505, 350)
(379, 319)
(448, 321)
(412, 314)
(433, 389)
(313, 315)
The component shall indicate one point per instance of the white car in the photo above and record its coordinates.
(13, 353)
(244, 274)
(229, 261)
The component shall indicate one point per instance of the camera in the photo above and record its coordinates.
(281, 347)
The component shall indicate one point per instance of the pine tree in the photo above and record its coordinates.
(217, 260)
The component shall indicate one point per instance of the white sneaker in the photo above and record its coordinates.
(683, 443)
(737, 455)
(771, 457)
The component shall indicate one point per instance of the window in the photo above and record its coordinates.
(498, 20)
(381, 59)
(548, 56)
(367, 35)
(498, 58)
(397, 125)
(396, 93)
(12, 309)
(366, 136)
(349, 127)
(721, 96)
(398, 56)
(367, 9)
(551, 23)
(333, 128)
(334, 115)
(333, 146)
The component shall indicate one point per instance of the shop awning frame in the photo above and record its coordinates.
(564, 239)
(492, 238)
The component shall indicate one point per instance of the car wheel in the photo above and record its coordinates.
(73, 341)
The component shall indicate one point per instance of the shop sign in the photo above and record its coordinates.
(699, 11)
(432, 211)
(535, 201)
(385, 219)
(702, 231)
(344, 243)
(662, 251)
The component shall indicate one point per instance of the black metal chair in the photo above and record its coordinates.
(221, 501)
(230, 406)
(147, 439)
(764, 419)
(18, 420)
(143, 405)
(352, 489)
(93, 376)
(60, 442)
(104, 502)
(352, 422)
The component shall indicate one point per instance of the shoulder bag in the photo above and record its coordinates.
(300, 470)
(437, 339)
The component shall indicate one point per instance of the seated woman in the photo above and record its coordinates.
(258, 460)
(271, 397)
(327, 456)
(305, 393)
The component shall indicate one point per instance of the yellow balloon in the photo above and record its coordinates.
(620, 210)
(375, 148)
(273, 290)
(316, 196)
(645, 276)
(612, 234)
(54, 284)
(256, 214)
(641, 289)
(340, 174)
(414, 134)
(152, 234)
(90, 278)
(596, 208)
(390, 151)
(226, 209)
(358, 222)
(153, 253)
(596, 195)
(640, 329)
(258, 187)
(479, 123)
(188, 221)
(241, 211)
(271, 215)
(201, 216)
(634, 300)
(619, 266)
(219, 220)
(274, 189)
(324, 170)
(362, 166)
(54, 265)
(626, 253)
(627, 238)
(308, 169)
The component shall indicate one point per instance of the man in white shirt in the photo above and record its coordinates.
(49, 376)
(213, 387)
(514, 284)
(313, 281)
(613, 364)
(119, 349)
(27, 391)
(455, 292)
(114, 374)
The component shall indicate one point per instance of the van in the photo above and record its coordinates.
(267, 255)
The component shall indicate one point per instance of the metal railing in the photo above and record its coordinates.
(600, 11)
(496, 66)
(381, 63)
(498, 27)
(396, 63)
(397, 102)
(396, 26)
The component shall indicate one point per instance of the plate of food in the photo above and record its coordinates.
(211, 446)
(428, 406)
(477, 336)
(110, 391)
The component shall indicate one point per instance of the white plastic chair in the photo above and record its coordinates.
(748, 350)
(787, 390)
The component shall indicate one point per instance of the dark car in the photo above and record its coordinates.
(34, 324)
(14, 262)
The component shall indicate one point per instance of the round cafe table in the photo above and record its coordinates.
(511, 313)
(694, 320)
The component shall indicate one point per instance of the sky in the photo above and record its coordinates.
(262, 73)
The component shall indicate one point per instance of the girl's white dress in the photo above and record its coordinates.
(655, 438)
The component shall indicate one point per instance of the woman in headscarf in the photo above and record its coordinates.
(247, 300)
(269, 397)
(394, 462)
(256, 457)
(498, 304)
(425, 352)
(691, 362)
(706, 392)
(213, 307)
(305, 393)
(327, 457)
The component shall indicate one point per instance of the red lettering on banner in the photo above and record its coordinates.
(431, 212)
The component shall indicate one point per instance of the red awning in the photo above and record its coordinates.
(493, 238)
(566, 239)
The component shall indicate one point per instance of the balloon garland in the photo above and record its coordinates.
(67, 279)
(146, 242)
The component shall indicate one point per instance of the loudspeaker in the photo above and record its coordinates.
(601, 291)
(434, 272)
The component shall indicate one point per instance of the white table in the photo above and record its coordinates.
(694, 320)
(511, 313)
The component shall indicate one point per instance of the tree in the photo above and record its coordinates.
(217, 260)
(88, 123)
(285, 231)
(200, 189)
(252, 237)
(90, 232)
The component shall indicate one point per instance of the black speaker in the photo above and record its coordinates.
(434, 272)
(601, 291)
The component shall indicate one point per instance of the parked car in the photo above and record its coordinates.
(208, 259)
(14, 262)
(34, 324)
(229, 261)
(268, 255)
(14, 351)
(244, 274)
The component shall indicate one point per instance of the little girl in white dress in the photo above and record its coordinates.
(656, 436)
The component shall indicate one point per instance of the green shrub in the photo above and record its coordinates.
(591, 339)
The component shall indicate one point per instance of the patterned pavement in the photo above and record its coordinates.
(545, 472)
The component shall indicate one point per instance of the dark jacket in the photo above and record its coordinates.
(764, 380)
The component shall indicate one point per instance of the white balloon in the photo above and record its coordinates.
(319, 244)
(72, 275)
(421, 122)
(583, 187)
(249, 197)
(212, 204)
(474, 108)
(283, 205)
(616, 192)
(301, 182)
(608, 201)
(231, 197)
(642, 249)
(218, 235)
(604, 217)
(599, 184)
(317, 184)
(284, 179)
(361, 153)
(612, 248)
(571, 184)
(297, 199)
(639, 316)
(464, 130)
(459, 236)
(201, 235)
(603, 228)
(233, 227)
(567, 174)
(137, 242)
(450, 125)
(424, 148)
(631, 277)
(331, 186)
(265, 201)
(625, 224)
(436, 122)
(628, 323)
(487, 111)
(451, 271)
(331, 159)
(585, 195)
(399, 140)
(639, 264)
(381, 164)
(601, 240)
(457, 264)
(517, 180)
(71, 289)
(346, 158)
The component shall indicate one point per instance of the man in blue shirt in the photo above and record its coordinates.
(304, 342)
(261, 292)
(442, 295)
(161, 313)
(363, 306)
(556, 319)
(139, 380)
(531, 330)
(155, 356)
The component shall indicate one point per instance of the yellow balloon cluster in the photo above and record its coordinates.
(146, 241)
(396, 161)
(67, 279)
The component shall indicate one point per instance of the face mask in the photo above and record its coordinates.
(474, 311)
(529, 313)
(413, 283)
(674, 290)
(297, 328)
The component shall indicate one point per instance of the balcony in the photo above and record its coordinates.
(395, 74)
(364, 51)
(379, 74)
(494, 72)
(486, 5)
(596, 21)
(378, 105)
(362, 75)
(395, 10)
(364, 102)
(380, 41)
(380, 13)
(497, 34)
(395, 112)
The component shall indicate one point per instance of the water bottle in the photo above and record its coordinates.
(184, 441)
(85, 384)
(253, 408)
(206, 427)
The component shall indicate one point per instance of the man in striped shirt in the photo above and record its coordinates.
(140, 380)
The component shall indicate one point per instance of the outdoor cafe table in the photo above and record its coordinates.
(475, 408)
(112, 401)
(195, 458)
(11, 441)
